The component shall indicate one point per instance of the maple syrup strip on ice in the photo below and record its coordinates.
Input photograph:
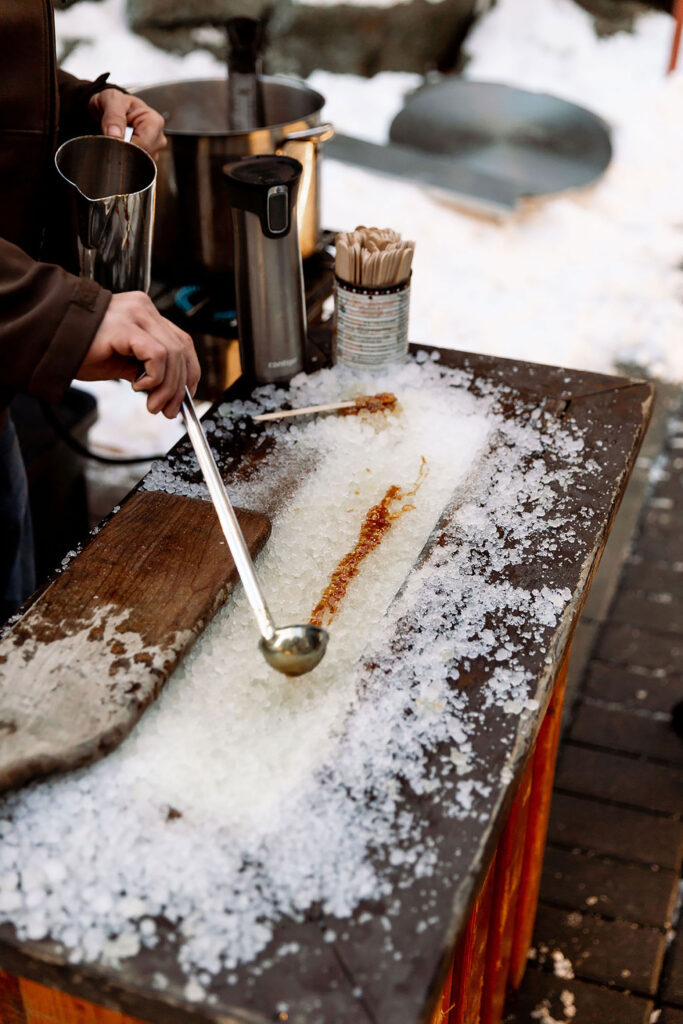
(377, 522)
(371, 403)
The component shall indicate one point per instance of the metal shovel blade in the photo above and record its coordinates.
(536, 143)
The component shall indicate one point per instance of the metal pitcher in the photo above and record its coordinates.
(112, 189)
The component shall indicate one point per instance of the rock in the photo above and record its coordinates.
(413, 36)
(160, 13)
(353, 38)
(619, 15)
(417, 35)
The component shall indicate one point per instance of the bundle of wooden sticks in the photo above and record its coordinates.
(373, 256)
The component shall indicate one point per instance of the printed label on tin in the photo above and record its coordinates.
(372, 325)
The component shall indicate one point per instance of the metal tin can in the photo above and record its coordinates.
(372, 324)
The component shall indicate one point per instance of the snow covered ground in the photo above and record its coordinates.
(591, 280)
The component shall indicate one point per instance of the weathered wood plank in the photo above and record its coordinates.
(87, 658)
(470, 959)
(545, 756)
(508, 872)
(442, 1011)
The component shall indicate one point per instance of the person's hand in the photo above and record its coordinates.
(117, 110)
(133, 332)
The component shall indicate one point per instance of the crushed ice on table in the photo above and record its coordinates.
(243, 796)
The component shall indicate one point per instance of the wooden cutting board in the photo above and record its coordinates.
(80, 667)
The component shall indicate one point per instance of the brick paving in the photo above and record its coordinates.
(608, 940)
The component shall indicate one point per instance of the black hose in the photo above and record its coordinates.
(63, 432)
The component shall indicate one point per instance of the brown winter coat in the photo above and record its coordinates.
(48, 316)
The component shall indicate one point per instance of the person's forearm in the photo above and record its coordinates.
(48, 319)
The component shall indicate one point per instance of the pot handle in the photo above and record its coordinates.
(318, 133)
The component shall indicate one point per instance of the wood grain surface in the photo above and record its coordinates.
(83, 663)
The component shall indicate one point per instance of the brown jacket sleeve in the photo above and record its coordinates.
(74, 94)
(49, 317)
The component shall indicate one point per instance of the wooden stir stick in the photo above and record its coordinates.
(374, 257)
(372, 403)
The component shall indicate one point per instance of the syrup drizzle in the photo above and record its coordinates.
(377, 523)
(382, 402)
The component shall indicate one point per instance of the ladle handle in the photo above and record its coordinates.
(227, 518)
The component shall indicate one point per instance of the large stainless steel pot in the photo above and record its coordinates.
(193, 222)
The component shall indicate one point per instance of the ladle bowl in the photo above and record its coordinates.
(294, 650)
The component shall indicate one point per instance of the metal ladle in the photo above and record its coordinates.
(292, 650)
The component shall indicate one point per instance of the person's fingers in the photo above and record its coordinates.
(193, 371)
(131, 370)
(153, 355)
(168, 396)
(148, 127)
(114, 105)
(150, 135)
(150, 318)
(192, 368)
(154, 322)
(117, 110)
(165, 389)
(172, 408)
(135, 342)
(174, 341)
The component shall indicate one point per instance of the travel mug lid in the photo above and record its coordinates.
(267, 186)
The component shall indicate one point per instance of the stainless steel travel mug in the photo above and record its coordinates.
(271, 309)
